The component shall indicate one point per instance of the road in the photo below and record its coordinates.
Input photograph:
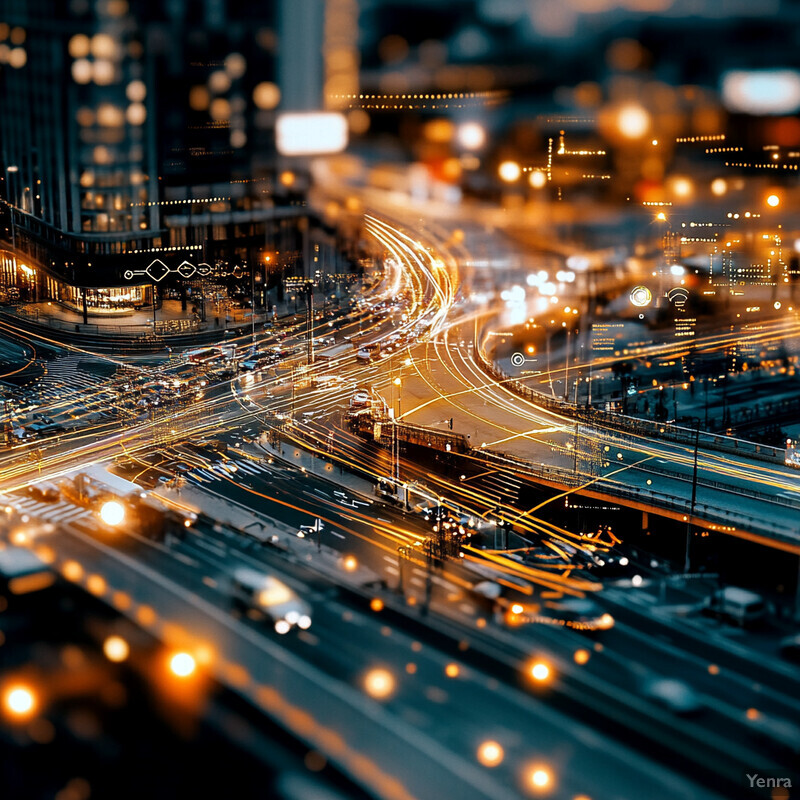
(438, 378)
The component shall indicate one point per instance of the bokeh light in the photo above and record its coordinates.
(116, 648)
(19, 701)
(490, 753)
(379, 683)
(509, 171)
(112, 512)
(182, 665)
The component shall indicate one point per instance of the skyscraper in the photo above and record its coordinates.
(137, 146)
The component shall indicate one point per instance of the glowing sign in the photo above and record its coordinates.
(311, 133)
(641, 296)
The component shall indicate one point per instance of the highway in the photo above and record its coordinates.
(446, 380)
(182, 591)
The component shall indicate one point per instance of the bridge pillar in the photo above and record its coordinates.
(645, 520)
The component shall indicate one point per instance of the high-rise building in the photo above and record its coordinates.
(137, 147)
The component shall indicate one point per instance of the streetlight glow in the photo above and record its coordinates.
(541, 777)
(19, 701)
(379, 683)
(633, 121)
(182, 665)
(509, 171)
(112, 513)
(116, 648)
(537, 179)
(540, 671)
(350, 563)
(471, 135)
(490, 754)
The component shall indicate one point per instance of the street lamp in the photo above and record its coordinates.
(11, 203)
(397, 382)
(471, 135)
(116, 648)
(490, 753)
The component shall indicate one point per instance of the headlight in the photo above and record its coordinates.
(292, 617)
(304, 622)
(606, 622)
(282, 626)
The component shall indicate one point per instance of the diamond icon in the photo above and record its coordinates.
(157, 270)
(186, 270)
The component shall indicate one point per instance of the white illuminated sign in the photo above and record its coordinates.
(310, 134)
(764, 91)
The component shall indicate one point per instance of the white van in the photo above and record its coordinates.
(737, 605)
(257, 591)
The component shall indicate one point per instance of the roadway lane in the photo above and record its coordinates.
(457, 712)
(628, 656)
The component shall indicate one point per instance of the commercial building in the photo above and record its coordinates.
(137, 150)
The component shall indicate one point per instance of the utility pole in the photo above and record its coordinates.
(687, 561)
(310, 320)
(402, 555)
(292, 379)
(253, 305)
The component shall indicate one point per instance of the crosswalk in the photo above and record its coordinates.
(60, 512)
(233, 467)
(65, 380)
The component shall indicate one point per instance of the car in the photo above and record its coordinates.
(740, 606)
(22, 571)
(580, 613)
(672, 694)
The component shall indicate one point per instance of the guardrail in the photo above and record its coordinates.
(633, 426)
(570, 479)
(657, 499)
(140, 338)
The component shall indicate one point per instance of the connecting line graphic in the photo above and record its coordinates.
(580, 488)
(157, 270)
